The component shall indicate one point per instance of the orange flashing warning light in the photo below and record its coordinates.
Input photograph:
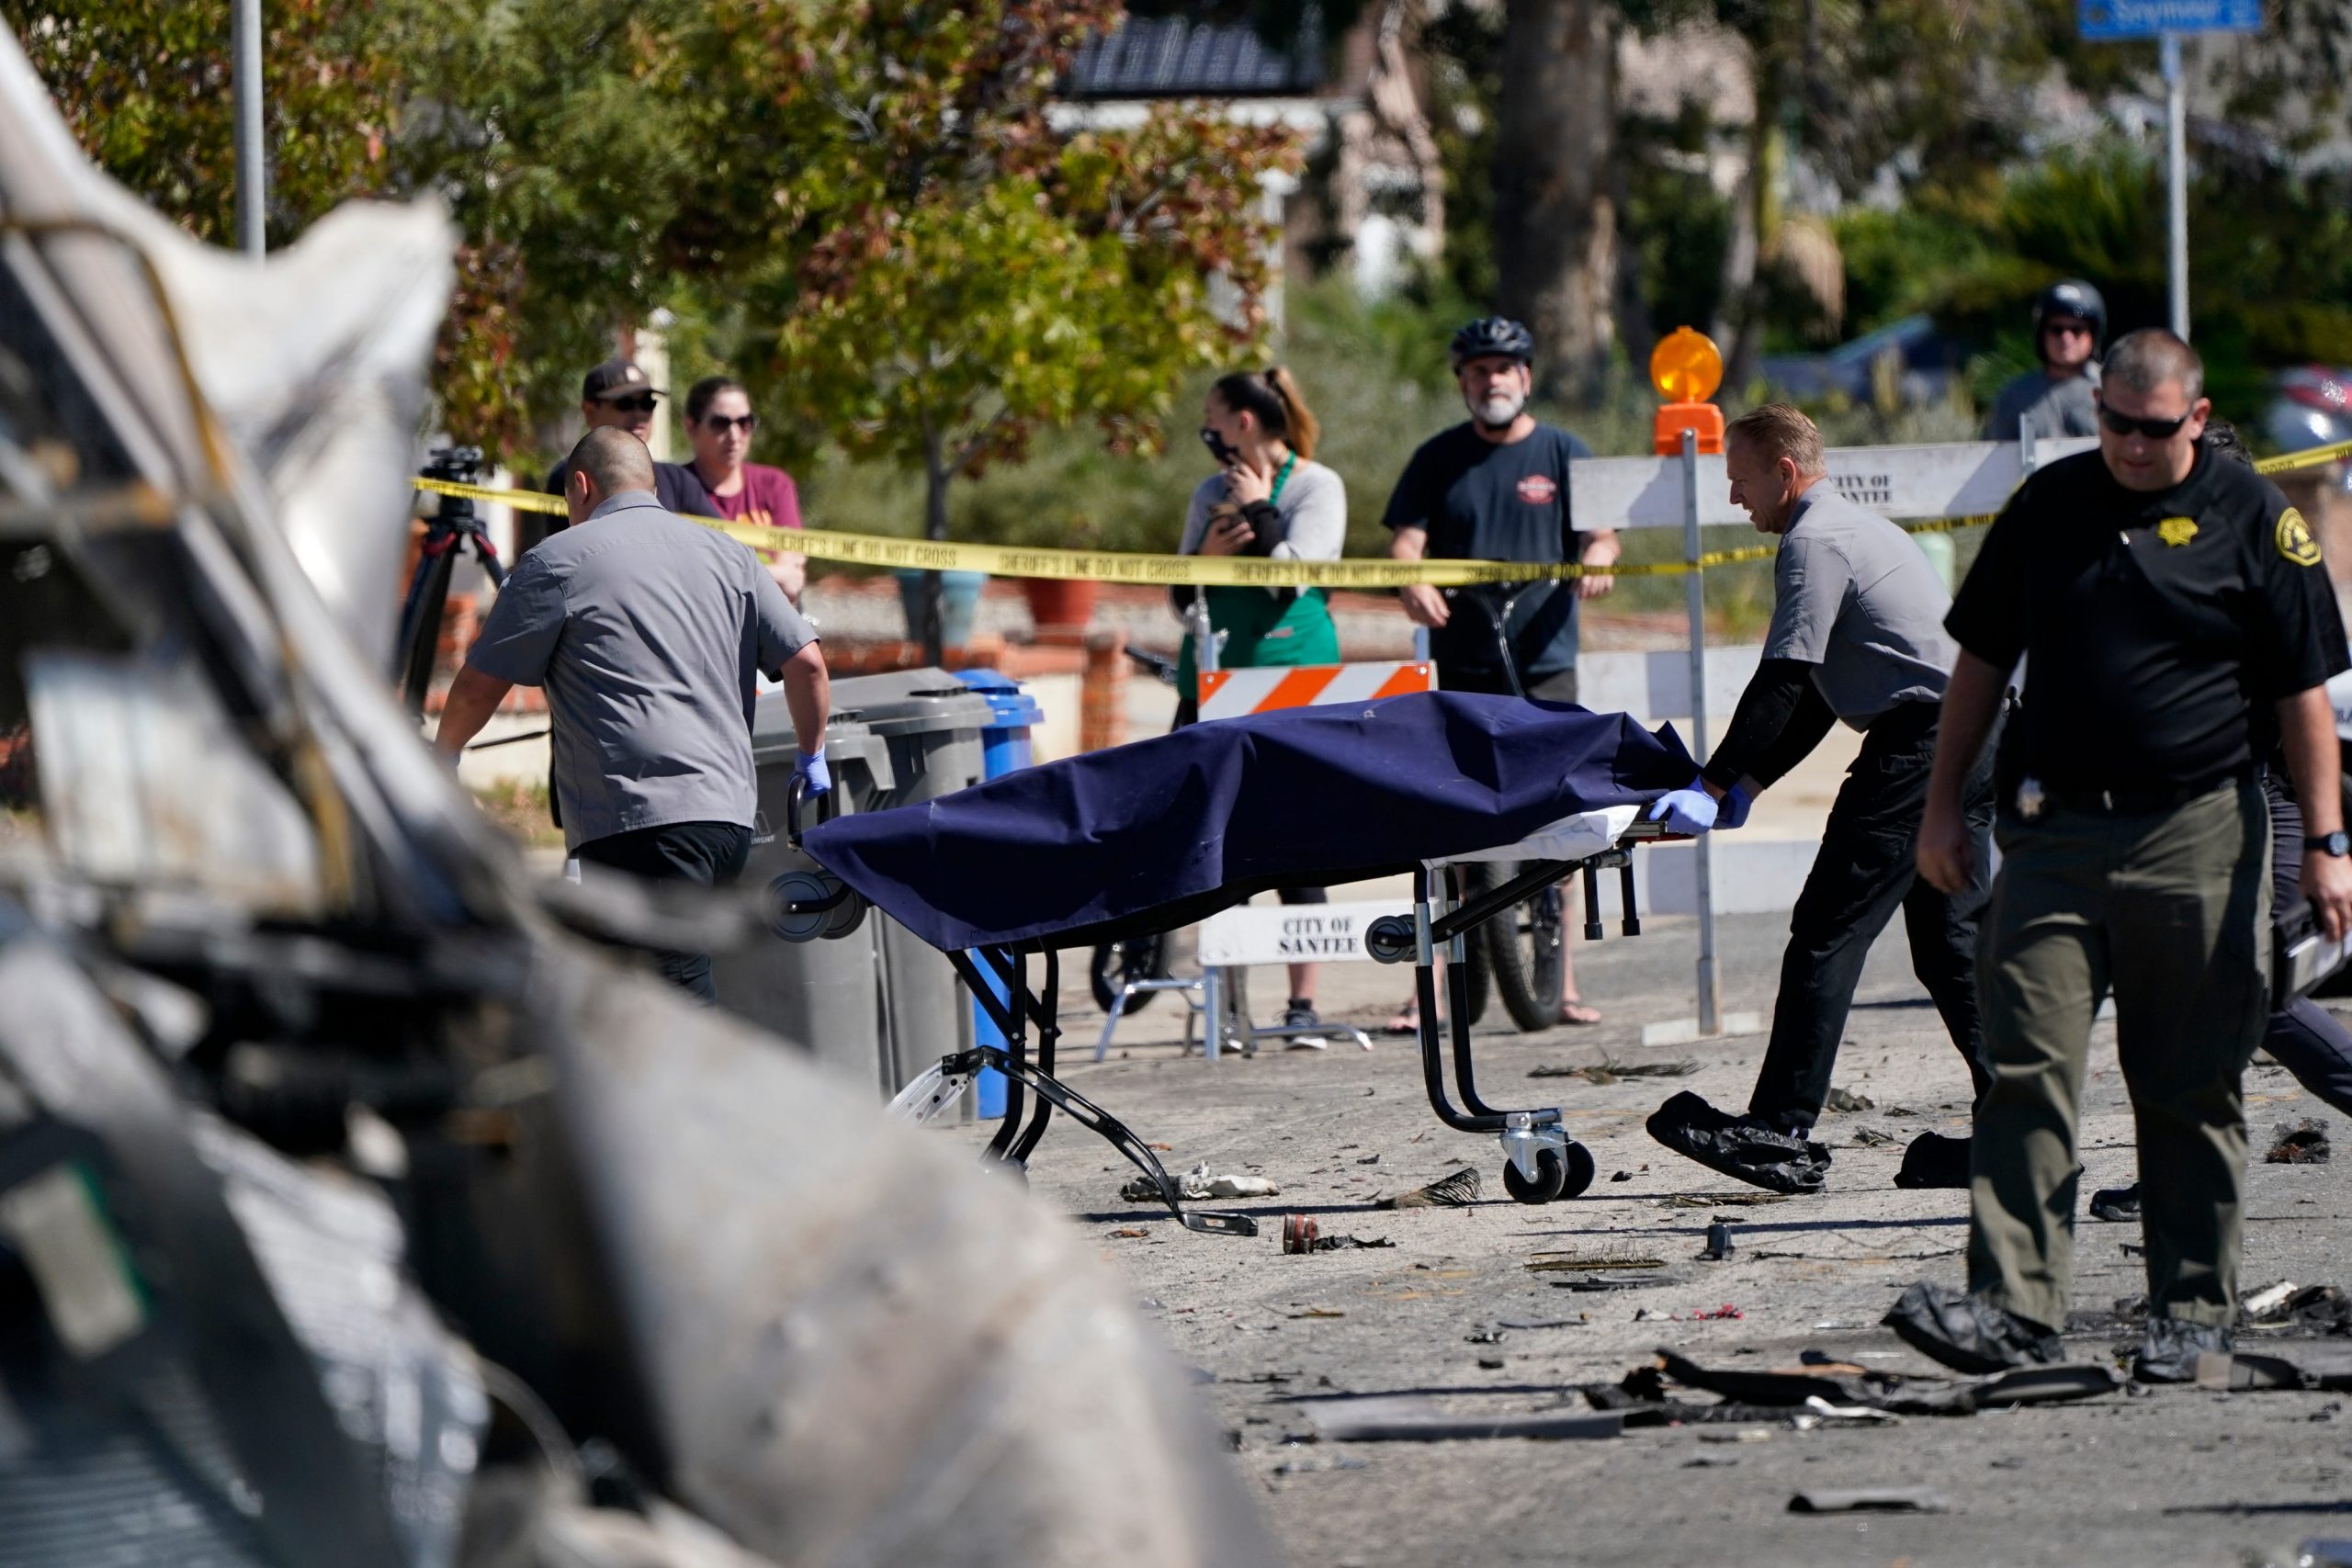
(1686, 367)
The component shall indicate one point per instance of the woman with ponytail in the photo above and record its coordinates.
(1269, 498)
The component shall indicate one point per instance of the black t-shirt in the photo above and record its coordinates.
(2158, 628)
(676, 486)
(1481, 502)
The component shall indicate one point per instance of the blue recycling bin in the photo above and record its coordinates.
(1004, 746)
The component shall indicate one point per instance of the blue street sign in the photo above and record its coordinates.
(2149, 18)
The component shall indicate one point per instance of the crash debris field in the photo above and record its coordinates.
(1378, 1399)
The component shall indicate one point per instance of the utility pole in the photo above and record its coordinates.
(252, 161)
(2176, 183)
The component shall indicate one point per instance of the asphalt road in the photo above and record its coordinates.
(2168, 1477)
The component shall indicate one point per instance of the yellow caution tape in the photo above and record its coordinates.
(1212, 571)
(2310, 457)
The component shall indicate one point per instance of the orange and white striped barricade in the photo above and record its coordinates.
(1230, 694)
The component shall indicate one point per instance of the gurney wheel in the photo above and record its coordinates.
(1581, 1169)
(1551, 1179)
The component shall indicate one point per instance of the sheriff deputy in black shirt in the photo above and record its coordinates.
(2171, 610)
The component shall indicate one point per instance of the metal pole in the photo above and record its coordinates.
(1216, 984)
(1710, 1017)
(2177, 182)
(252, 164)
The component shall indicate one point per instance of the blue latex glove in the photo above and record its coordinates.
(1732, 811)
(1690, 810)
(813, 769)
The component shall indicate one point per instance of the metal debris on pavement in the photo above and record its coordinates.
(1846, 1100)
(1299, 1232)
(2268, 1300)
(1454, 1192)
(1348, 1243)
(2300, 1143)
(1573, 1261)
(1608, 1070)
(1197, 1184)
(1719, 1244)
(1721, 1200)
(1870, 1499)
(1723, 1314)
(1419, 1420)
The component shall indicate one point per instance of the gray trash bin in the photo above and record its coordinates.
(929, 724)
(823, 997)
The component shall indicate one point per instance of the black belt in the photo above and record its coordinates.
(2119, 802)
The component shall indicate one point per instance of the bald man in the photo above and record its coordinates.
(646, 632)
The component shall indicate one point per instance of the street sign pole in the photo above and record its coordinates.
(251, 153)
(1711, 995)
(2176, 183)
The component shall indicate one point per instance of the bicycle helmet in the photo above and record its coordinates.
(1493, 336)
(2072, 297)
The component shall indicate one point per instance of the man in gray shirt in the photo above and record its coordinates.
(648, 633)
(1857, 635)
(2060, 399)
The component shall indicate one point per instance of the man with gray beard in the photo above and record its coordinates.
(1496, 489)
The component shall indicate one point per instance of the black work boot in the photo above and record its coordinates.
(1968, 1333)
(2116, 1202)
(1934, 1160)
(1746, 1149)
(2168, 1353)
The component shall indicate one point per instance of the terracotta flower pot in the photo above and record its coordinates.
(1058, 605)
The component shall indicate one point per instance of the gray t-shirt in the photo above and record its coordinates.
(1313, 507)
(1855, 597)
(2057, 408)
(648, 632)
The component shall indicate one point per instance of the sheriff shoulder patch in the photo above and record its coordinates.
(2177, 531)
(2295, 541)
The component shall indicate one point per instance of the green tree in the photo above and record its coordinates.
(935, 266)
(537, 120)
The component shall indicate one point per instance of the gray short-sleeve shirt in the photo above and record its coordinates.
(648, 633)
(1854, 597)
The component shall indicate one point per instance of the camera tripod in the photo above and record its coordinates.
(454, 528)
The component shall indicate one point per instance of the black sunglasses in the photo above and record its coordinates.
(720, 424)
(2153, 429)
(642, 403)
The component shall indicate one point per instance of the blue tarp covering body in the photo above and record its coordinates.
(1156, 834)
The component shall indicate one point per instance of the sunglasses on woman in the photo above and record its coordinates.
(2153, 429)
(720, 424)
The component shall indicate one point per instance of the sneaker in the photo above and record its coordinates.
(1299, 1015)
(1968, 1333)
(1745, 1148)
(1934, 1160)
(2116, 1202)
(2168, 1353)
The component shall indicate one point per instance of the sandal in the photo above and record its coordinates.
(1408, 1020)
(1574, 1010)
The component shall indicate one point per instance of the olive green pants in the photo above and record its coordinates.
(2169, 911)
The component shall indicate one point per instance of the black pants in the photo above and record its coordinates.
(1864, 873)
(2302, 1037)
(710, 855)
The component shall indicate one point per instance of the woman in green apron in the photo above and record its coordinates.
(1271, 499)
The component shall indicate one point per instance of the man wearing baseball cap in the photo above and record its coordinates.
(617, 395)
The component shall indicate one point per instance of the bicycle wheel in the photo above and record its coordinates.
(1117, 962)
(1528, 952)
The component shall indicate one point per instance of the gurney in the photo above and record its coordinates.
(1161, 833)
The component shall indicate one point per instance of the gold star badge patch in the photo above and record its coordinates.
(2295, 541)
(2177, 531)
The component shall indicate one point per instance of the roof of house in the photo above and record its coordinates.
(1174, 56)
